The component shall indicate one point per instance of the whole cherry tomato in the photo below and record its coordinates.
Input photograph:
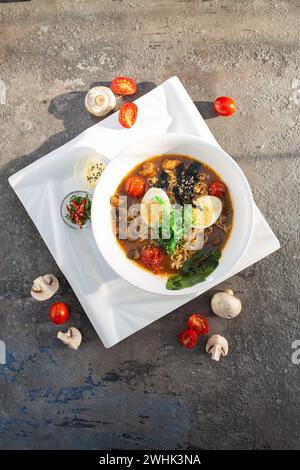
(198, 323)
(217, 189)
(224, 106)
(153, 258)
(59, 313)
(128, 114)
(135, 186)
(188, 338)
(123, 86)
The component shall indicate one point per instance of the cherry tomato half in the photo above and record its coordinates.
(217, 189)
(153, 258)
(224, 106)
(188, 338)
(128, 114)
(198, 323)
(135, 186)
(123, 86)
(59, 313)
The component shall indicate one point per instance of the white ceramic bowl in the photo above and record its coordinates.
(182, 144)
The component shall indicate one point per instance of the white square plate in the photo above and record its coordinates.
(115, 308)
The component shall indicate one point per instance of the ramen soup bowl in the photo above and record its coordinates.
(182, 145)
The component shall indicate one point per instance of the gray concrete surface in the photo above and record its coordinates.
(147, 392)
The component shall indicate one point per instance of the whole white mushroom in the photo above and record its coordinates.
(226, 304)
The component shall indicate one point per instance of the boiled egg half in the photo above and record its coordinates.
(207, 211)
(154, 205)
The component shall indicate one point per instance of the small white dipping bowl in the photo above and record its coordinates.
(180, 144)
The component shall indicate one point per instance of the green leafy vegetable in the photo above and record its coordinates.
(194, 270)
(171, 231)
(176, 223)
(169, 245)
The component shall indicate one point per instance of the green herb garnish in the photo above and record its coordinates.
(160, 201)
(79, 209)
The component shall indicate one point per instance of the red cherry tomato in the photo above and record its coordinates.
(128, 114)
(59, 313)
(224, 106)
(123, 86)
(135, 186)
(188, 338)
(198, 323)
(217, 189)
(153, 258)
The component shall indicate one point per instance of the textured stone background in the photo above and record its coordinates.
(147, 392)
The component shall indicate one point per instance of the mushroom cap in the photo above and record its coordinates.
(72, 338)
(44, 287)
(100, 101)
(219, 341)
(226, 304)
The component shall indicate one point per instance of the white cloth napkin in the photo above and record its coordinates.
(115, 308)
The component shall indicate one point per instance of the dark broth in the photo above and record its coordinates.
(217, 234)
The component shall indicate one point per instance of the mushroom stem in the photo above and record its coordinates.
(216, 352)
(228, 291)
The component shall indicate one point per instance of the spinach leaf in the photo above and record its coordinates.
(195, 261)
(196, 269)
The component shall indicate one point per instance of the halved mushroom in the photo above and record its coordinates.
(217, 345)
(226, 305)
(44, 287)
(100, 101)
(72, 338)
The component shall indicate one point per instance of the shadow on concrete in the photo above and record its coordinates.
(70, 109)
(14, 1)
(206, 109)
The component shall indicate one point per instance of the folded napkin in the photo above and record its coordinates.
(115, 308)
